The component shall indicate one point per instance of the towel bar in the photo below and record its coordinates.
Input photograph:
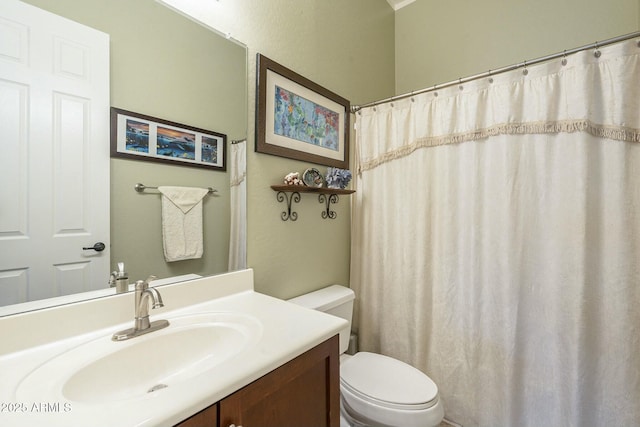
(141, 187)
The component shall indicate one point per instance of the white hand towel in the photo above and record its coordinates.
(182, 222)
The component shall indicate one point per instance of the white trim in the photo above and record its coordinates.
(399, 4)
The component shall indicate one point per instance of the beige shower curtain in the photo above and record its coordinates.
(496, 241)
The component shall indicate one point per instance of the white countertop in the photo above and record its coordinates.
(287, 331)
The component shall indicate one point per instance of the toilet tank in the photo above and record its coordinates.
(335, 300)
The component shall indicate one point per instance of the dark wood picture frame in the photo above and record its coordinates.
(325, 137)
(140, 137)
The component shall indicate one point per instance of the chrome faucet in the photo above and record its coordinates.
(144, 295)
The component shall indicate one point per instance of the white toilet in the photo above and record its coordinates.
(375, 390)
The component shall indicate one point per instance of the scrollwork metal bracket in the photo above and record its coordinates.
(292, 194)
(328, 200)
(281, 196)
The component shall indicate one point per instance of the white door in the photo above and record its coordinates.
(54, 155)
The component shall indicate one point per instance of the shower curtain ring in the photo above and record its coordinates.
(490, 77)
(564, 57)
(597, 52)
(460, 82)
(525, 71)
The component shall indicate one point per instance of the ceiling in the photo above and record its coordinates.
(398, 4)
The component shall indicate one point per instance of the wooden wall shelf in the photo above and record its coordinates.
(304, 189)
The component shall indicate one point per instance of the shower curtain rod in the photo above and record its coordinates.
(596, 46)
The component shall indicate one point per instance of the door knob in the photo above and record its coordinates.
(98, 247)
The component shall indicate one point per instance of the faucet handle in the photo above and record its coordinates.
(141, 285)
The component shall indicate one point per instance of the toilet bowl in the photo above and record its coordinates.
(375, 390)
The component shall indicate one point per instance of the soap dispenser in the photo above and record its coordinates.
(121, 279)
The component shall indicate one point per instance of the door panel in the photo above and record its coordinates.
(54, 116)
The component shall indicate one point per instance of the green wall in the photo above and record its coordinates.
(346, 47)
(356, 48)
(440, 41)
(365, 52)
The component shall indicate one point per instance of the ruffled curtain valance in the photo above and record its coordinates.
(585, 95)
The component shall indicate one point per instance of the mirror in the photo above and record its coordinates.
(164, 65)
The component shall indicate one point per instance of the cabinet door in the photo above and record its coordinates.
(208, 417)
(304, 392)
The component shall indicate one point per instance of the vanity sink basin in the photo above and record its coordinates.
(104, 370)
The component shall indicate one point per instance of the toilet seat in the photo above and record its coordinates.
(387, 383)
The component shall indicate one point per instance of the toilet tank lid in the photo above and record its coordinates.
(325, 298)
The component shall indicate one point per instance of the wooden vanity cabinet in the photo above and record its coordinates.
(208, 417)
(304, 392)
